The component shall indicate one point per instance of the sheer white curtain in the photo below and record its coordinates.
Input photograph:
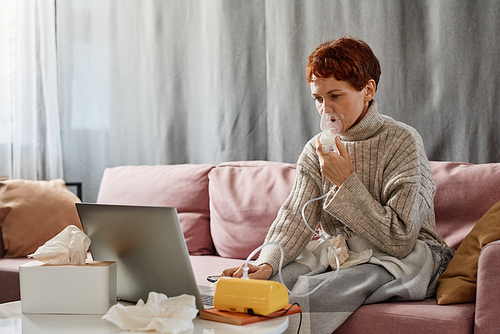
(30, 140)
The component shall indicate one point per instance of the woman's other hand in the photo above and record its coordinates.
(336, 167)
(263, 271)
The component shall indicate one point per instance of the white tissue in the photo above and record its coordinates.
(70, 246)
(160, 313)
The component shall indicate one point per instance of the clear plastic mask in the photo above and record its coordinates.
(332, 124)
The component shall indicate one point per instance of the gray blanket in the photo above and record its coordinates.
(381, 279)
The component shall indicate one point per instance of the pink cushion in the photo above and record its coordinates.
(184, 187)
(244, 200)
(464, 193)
(410, 318)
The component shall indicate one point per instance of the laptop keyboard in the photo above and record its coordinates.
(207, 300)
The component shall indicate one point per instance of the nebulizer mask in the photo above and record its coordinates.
(332, 124)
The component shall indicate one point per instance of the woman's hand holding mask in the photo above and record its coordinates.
(336, 167)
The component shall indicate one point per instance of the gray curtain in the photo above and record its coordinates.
(207, 81)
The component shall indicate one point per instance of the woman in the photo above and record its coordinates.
(382, 197)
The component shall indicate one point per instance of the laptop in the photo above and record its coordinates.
(148, 247)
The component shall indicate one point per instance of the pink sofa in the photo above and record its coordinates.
(226, 210)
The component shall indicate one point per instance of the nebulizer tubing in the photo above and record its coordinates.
(245, 267)
(332, 124)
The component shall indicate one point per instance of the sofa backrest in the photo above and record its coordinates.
(464, 193)
(245, 198)
(184, 187)
(227, 209)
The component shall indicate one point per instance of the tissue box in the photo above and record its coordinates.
(70, 289)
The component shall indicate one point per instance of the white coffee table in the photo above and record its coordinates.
(13, 321)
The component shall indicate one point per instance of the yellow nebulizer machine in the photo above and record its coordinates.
(250, 296)
(246, 295)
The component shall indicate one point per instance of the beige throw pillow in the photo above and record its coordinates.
(32, 212)
(458, 283)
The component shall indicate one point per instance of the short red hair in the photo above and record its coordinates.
(345, 59)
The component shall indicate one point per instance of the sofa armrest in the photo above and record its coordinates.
(487, 318)
(2, 249)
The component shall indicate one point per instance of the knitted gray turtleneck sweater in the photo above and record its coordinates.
(388, 199)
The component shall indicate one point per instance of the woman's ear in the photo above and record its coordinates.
(370, 89)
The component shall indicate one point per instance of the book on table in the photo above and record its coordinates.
(236, 318)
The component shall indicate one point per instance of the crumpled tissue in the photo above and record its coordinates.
(160, 313)
(70, 246)
(347, 258)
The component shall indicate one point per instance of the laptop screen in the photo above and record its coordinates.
(148, 246)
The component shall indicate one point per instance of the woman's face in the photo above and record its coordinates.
(329, 93)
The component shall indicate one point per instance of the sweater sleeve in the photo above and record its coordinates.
(288, 229)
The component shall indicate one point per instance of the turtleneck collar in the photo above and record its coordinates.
(367, 127)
